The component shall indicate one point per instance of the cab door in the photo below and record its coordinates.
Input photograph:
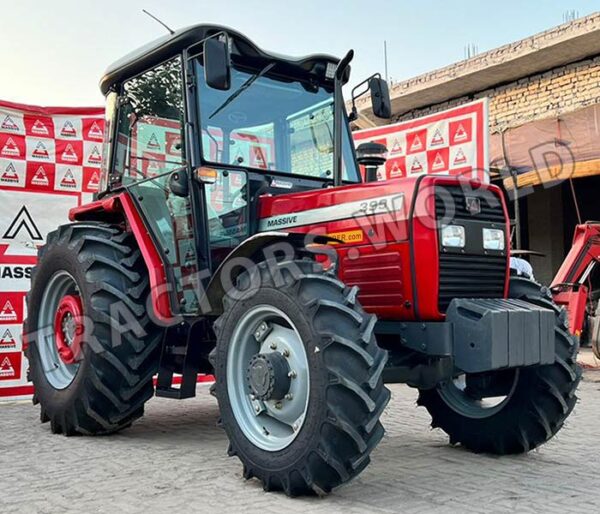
(149, 149)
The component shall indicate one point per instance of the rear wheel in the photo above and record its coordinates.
(92, 349)
(514, 410)
(299, 380)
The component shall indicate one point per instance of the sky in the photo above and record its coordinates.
(53, 53)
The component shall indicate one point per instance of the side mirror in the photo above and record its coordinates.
(380, 98)
(178, 183)
(217, 64)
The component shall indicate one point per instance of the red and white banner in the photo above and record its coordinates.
(451, 142)
(50, 161)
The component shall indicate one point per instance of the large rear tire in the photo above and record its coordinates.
(89, 280)
(536, 401)
(299, 379)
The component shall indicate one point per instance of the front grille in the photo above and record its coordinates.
(469, 275)
(451, 201)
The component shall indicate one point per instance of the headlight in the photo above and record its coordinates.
(493, 239)
(453, 236)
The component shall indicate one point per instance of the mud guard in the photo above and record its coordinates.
(255, 245)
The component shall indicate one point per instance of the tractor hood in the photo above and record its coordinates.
(389, 234)
(342, 213)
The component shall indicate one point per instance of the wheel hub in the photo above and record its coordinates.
(268, 376)
(68, 328)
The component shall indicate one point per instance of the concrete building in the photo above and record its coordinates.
(544, 121)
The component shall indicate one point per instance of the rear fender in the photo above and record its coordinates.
(119, 208)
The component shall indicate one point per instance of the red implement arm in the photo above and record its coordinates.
(569, 285)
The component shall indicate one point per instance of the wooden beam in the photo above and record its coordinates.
(554, 174)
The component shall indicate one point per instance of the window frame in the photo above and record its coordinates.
(114, 183)
(294, 177)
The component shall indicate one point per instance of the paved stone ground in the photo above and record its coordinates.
(174, 459)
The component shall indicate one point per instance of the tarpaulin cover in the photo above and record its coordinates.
(540, 144)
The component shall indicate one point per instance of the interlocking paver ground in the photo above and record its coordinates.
(174, 460)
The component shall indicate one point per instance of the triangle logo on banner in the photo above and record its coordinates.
(40, 178)
(437, 138)
(40, 151)
(460, 158)
(9, 124)
(68, 180)
(69, 154)
(10, 148)
(438, 163)
(417, 144)
(8, 312)
(259, 157)
(153, 166)
(10, 174)
(416, 167)
(7, 340)
(396, 147)
(40, 129)
(95, 155)
(22, 220)
(6, 368)
(95, 131)
(395, 171)
(460, 134)
(68, 129)
(94, 181)
(153, 142)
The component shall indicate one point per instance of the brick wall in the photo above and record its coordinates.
(545, 95)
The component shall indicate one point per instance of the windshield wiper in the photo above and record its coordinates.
(241, 89)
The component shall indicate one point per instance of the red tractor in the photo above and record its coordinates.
(232, 234)
(575, 285)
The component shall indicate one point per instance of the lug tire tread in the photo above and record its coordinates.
(113, 392)
(353, 405)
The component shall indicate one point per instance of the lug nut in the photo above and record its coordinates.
(257, 408)
(273, 346)
(289, 396)
(286, 353)
(253, 397)
(295, 427)
(278, 405)
(292, 374)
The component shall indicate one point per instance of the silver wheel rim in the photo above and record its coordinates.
(271, 425)
(454, 394)
(59, 374)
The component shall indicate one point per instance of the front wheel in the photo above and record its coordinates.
(514, 410)
(299, 380)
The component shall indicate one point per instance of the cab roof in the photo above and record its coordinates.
(157, 51)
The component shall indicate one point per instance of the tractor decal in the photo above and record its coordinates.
(370, 206)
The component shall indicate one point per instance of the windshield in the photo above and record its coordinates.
(272, 124)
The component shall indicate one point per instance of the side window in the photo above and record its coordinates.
(226, 207)
(150, 123)
(311, 142)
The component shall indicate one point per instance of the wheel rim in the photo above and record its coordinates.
(455, 394)
(264, 347)
(60, 329)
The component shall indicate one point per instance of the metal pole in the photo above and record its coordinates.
(513, 174)
(387, 77)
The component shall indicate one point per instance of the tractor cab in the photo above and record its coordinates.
(202, 122)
